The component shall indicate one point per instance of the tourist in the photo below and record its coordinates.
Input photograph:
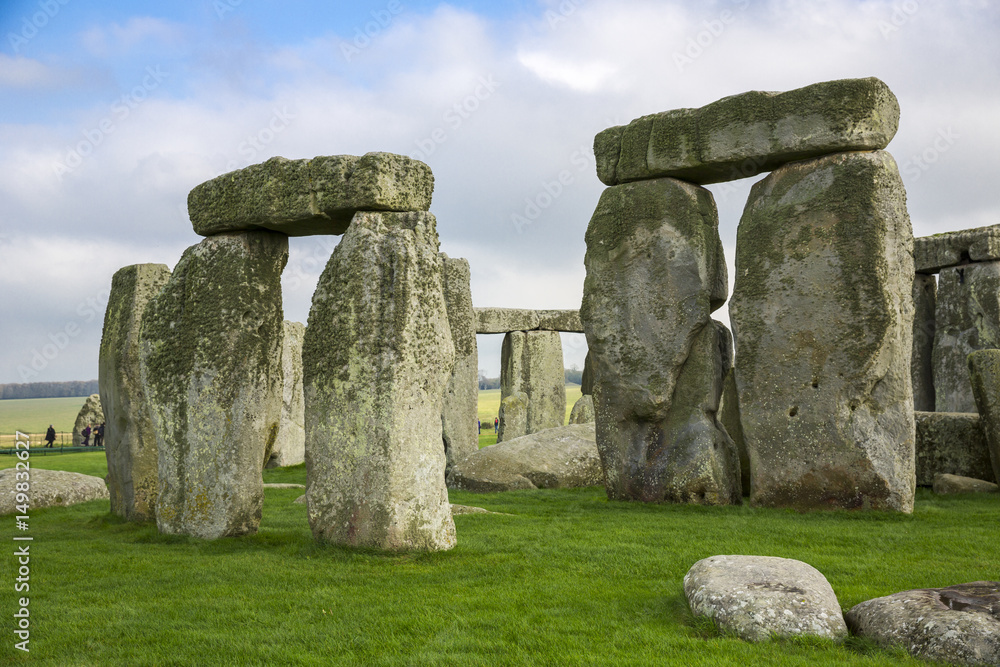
(50, 436)
(479, 426)
(86, 436)
(496, 424)
(99, 436)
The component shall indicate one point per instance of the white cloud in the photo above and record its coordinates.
(143, 31)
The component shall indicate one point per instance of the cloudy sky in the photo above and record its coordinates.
(112, 112)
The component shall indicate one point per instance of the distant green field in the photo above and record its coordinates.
(489, 409)
(33, 415)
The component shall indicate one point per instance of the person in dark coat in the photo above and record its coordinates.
(50, 436)
(99, 435)
(86, 436)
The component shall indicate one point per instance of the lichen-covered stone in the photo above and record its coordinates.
(49, 488)
(583, 410)
(587, 380)
(959, 625)
(129, 439)
(91, 414)
(823, 314)
(290, 444)
(377, 357)
(560, 320)
(743, 135)
(305, 197)
(729, 417)
(933, 253)
(504, 320)
(951, 443)
(984, 369)
(922, 362)
(655, 271)
(948, 484)
(759, 597)
(532, 362)
(461, 397)
(555, 458)
(967, 319)
(211, 368)
(513, 416)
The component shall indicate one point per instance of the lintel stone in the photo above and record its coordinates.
(933, 253)
(506, 320)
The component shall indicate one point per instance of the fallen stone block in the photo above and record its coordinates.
(50, 488)
(948, 484)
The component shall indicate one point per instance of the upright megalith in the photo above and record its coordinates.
(129, 438)
(967, 319)
(289, 447)
(91, 414)
(822, 312)
(655, 272)
(984, 369)
(461, 398)
(377, 357)
(921, 363)
(211, 367)
(531, 362)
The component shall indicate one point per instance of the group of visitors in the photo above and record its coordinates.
(496, 425)
(88, 430)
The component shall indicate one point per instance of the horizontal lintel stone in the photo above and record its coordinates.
(309, 197)
(505, 320)
(933, 253)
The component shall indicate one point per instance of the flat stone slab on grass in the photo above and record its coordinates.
(505, 320)
(933, 253)
(951, 443)
(945, 484)
(307, 197)
(757, 597)
(50, 488)
(743, 135)
(958, 624)
(562, 457)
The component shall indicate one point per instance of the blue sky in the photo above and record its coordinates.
(113, 111)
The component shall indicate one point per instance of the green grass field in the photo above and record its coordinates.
(33, 415)
(489, 409)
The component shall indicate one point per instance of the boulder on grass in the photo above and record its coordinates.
(50, 488)
(758, 597)
(561, 457)
(946, 484)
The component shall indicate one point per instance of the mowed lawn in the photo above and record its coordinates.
(489, 409)
(33, 416)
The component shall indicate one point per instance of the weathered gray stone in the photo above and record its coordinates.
(91, 414)
(532, 362)
(290, 444)
(933, 253)
(211, 368)
(560, 457)
(505, 320)
(823, 314)
(922, 362)
(583, 410)
(959, 624)
(758, 597)
(967, 319)
(50, 488)
(461, 397)
(729, 417)
(746, 134)
(947, 484)
(560, 320)
(305, 197)
(129, 439)
(984, 369)
(284, 486)
(655, 271)
(513, 416)
(587, 381)
(952, 443)
(377, 357)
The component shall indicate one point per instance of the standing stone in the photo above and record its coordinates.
(532, 362)
(952, 443)
(290, 445)
(513, 416)
(129, 438)
(823, 315)
(90, 414)
(921, 364)
(461, 397)
(655, 272)
(211, 367)
(967, 319)
(583, 410)
(984, 368)
(729, 417)
(587, 381)
(377, 357)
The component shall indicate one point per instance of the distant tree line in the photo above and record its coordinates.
(48, 389)
(573, 376)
